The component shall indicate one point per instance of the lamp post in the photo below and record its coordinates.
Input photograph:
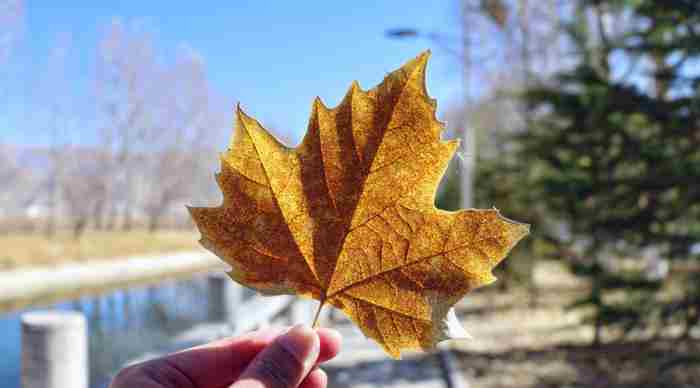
(468, 155)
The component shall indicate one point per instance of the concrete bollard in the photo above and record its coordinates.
(54, 350)
(224, 298)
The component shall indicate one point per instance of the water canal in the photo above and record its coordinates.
(122, 325)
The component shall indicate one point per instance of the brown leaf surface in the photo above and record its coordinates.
(348, 216)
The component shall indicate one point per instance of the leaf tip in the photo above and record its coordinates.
(318, 104)
(192, 210)
(354, 88)
(239, 111)
(523, 228)
(421, 61)
(455, 330)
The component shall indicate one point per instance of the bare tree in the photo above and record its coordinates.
(126, 73)
(16, 184)
(82, 188)
(57, 116)
(521, 38)
(188, 118)
(156, 119)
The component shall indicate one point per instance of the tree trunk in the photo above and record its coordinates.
(51, 220)
(597, 300)
(128, 221)
(97, 216)
(50, 230)
(154, 222)
(79, 227)
(534, 294)
(597, 328)
(111, 218)
(692, 314)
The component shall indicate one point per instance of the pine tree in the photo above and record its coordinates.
(616, 142)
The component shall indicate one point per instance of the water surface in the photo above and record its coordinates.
(122, 325)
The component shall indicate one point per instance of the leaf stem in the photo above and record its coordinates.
(318, 314)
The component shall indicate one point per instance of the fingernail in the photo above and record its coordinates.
(332, 333)
(303, 343)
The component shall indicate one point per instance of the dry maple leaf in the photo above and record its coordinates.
(348, 216)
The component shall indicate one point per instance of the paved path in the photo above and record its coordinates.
(42, 285)
(363, 364)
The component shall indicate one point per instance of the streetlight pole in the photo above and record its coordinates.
(468, 137)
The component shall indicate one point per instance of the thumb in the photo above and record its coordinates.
(284, 363)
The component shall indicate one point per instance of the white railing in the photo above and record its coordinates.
(245, 311)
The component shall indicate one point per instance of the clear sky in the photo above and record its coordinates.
(273, 57)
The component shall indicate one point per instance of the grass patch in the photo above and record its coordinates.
(23, 250)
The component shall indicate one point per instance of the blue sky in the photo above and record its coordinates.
(273, 57)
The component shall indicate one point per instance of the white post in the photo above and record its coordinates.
(468, 166)
(224, 298)
(54, 350)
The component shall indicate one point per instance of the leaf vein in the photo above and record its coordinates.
(267, 176)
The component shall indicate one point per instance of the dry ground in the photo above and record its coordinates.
(25, 249)
(516, 345)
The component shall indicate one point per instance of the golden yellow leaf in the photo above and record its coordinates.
(348, 216)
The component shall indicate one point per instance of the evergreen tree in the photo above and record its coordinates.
(616, 147)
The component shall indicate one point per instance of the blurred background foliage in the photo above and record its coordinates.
(601, 156)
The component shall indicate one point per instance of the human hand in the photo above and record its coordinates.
(268, 358)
